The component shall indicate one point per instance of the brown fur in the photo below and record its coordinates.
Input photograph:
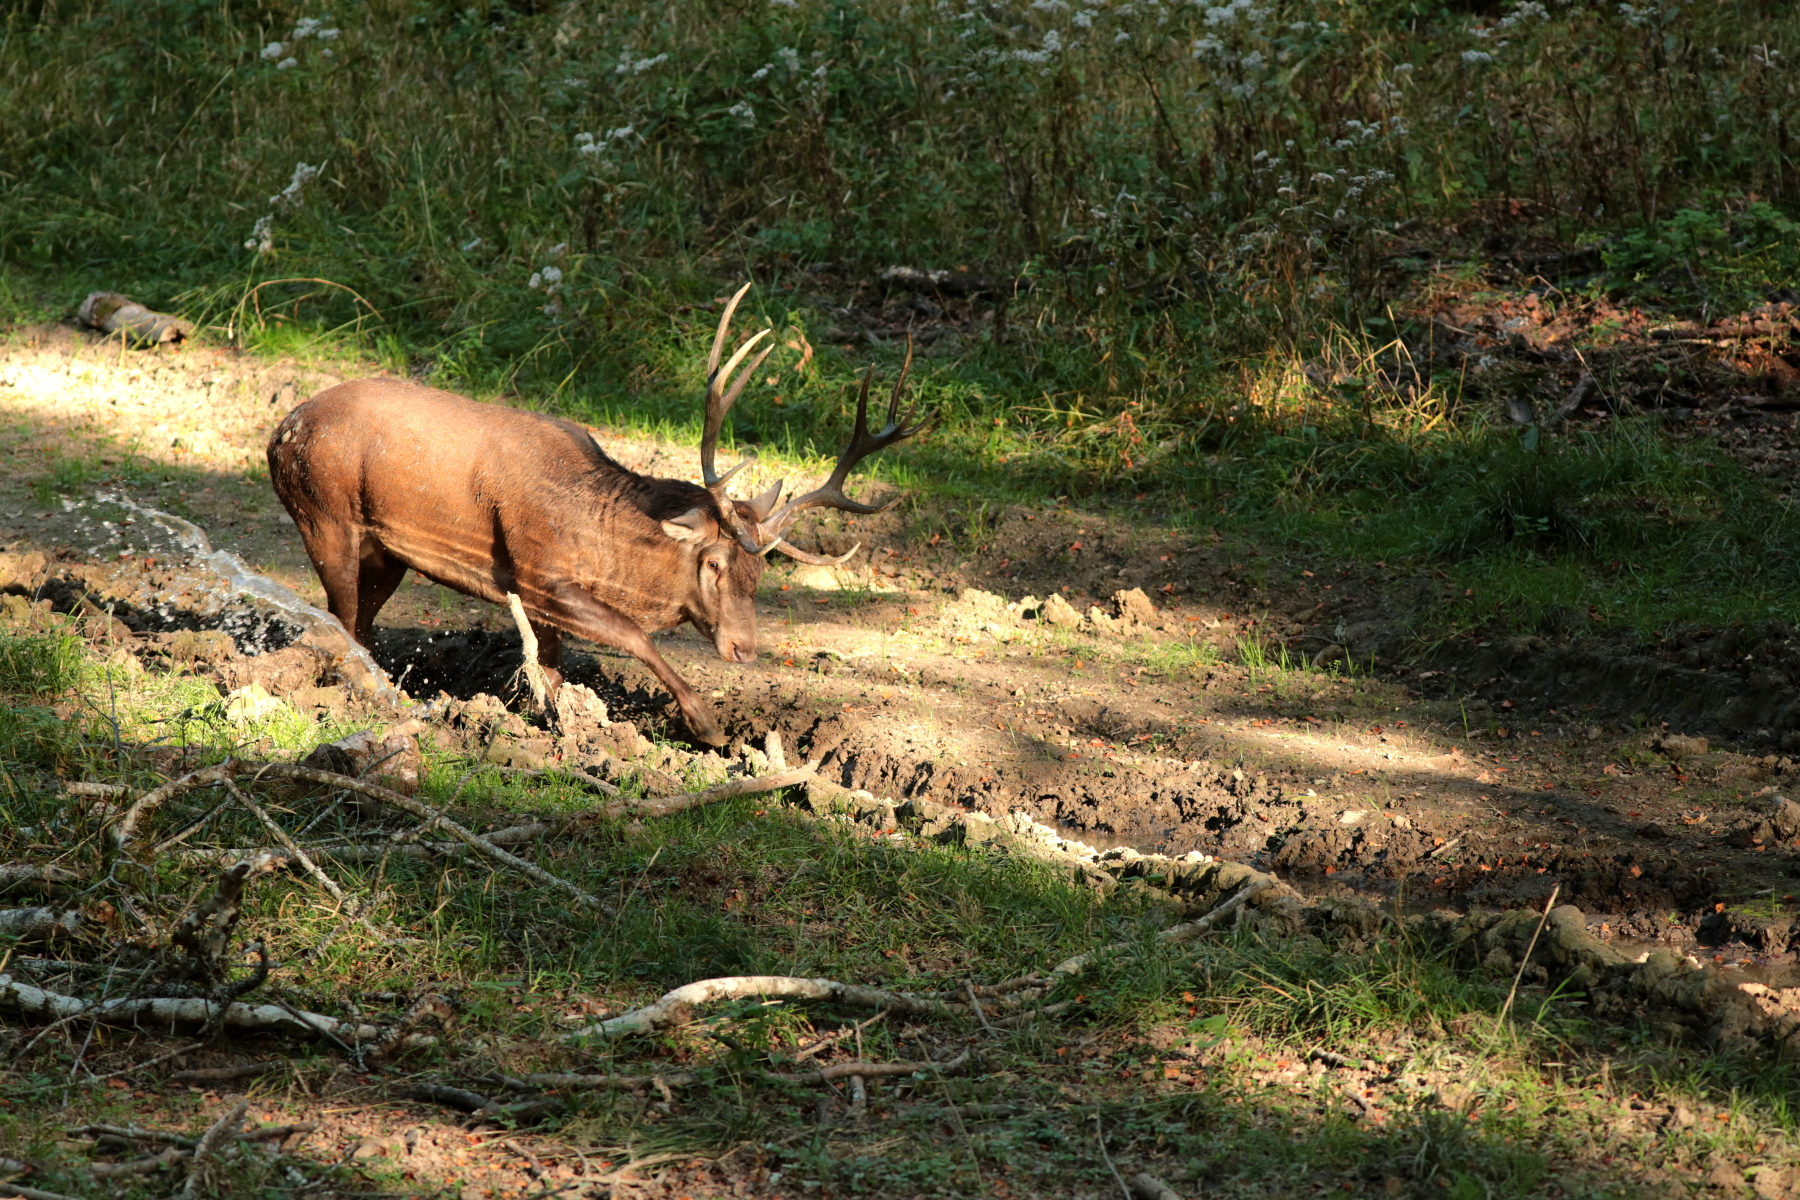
(381, 475)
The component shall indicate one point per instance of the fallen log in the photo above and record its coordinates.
(111, 313)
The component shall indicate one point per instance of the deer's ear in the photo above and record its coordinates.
(691, 526)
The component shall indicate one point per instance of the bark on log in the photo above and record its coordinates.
(111, 313)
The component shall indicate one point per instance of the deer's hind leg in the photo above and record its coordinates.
(378, 573)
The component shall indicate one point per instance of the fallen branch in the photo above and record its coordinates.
(221, 1131)
(18, 1191)
(38, 922)
(154, 799)
(407, 804)
(28, 876)
(163, 1011)
(111, 313)
(137, 1166)
(1177, 933)
(665, 805)
(674, 1007)
(866, 1070)
(224, 1074)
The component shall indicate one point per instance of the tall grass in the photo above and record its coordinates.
(1186, 203)
(1154, 165)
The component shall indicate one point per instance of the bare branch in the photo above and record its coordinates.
(150, 801)
(675, 1006)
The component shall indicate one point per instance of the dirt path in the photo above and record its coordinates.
(1149, 704)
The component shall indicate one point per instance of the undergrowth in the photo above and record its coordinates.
(1196, 221)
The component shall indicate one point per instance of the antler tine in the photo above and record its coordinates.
(719, 399)
(712, 360)
(862, 445)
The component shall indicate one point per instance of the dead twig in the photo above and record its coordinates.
(833, 1038)
(150, 801)
(137, 1166)
(1100, 1137)
(675, 1006)
(221, 1131)
(224, 1074)
(665, 805)
(975, 1003)
(407, 804)
(162, 1012)
(1526, 957)
(1177, 933)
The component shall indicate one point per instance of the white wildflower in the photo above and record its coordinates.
(556, 251)
(785, 3)
(1082, 20)
(789, 58)
(743, 112)
(761, 72)
(553, 278)
(589, 148)
(328, 35)
(1403, 68)
(306, 27)
(262, 238)
(1252, 61)
(637, 66)
(304, 173)
(273, 51)
(621, 133)
(327, 52)
(1050, 6)
(1121, 36)
(285, 63)
(1476, 57)
(584, 139)
(536, 281)
(471, 244)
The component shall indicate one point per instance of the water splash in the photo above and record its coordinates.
(316, 626)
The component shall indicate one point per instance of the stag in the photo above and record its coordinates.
(383, 475)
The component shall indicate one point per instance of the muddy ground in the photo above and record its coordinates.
(1128, 710)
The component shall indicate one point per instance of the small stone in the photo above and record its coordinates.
(252, 702)
(202, 645)
(1676, 745)
(1059, 612)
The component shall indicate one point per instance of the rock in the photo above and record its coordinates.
(580, 711)
(392, 761)
(22, 570)
(1676, 745)
(1145, 1186)
(986, 603)
(202, 646)
(1785, 819)
(252, 702)
(1103, 623)
(1726, 1177)
(1769, 1183)
(529, 753)
(1134, 609)
(331, 699)
(1059, 612)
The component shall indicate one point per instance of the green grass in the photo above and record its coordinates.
(1480, 1107)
